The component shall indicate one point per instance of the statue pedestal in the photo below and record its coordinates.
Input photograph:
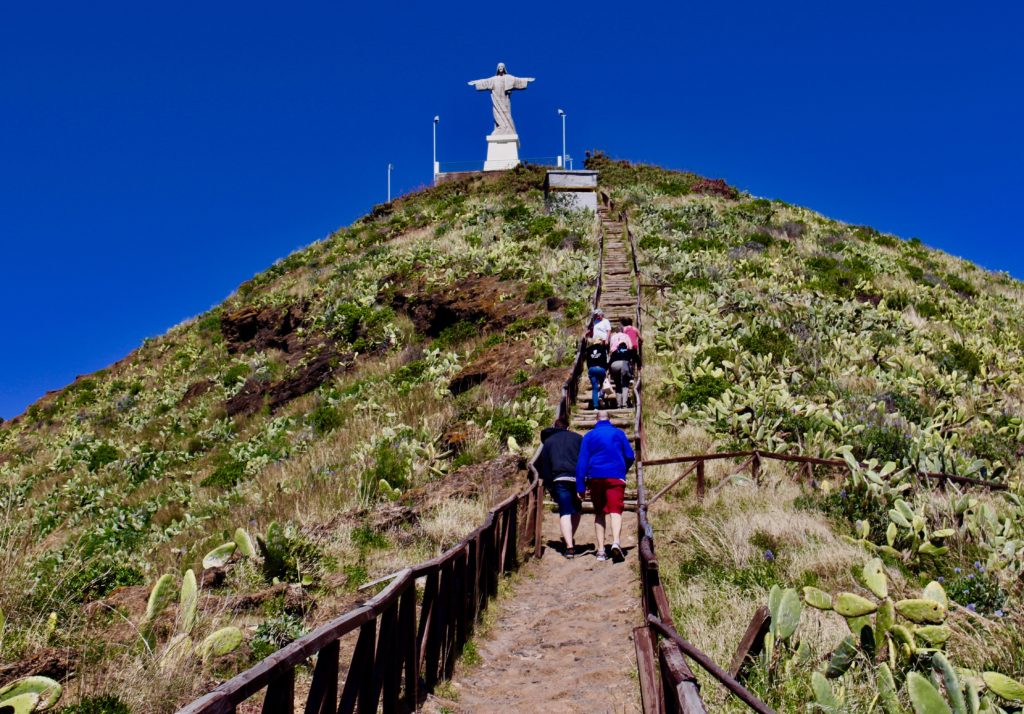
(502, 152)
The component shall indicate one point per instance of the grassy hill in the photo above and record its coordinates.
(353, 404)
(360, 394)
(775, 328)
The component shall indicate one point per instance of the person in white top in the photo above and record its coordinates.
(602, 327)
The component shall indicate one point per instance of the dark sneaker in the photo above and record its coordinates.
(617, 555)
(569, 553)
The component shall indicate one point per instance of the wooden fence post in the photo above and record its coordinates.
(753, 640)
(651, 694)
(755, 467)
(359, 669)
(407, 642)
(700, 480)
(682, 693)
(323, 691)
(280, 696)
(538, 533)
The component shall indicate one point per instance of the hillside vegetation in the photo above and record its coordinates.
(357, 407)
(772, 327)
(350, 410)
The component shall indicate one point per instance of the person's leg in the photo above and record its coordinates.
(575, 522)
(565, 523)
(616, 519)
(596, 377)
(599, 532)
(616, 369)
(615, 500)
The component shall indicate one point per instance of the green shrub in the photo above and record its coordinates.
(520, 376)
(533, 391)
(390, 466)
(408, 376)
(575, 309)
(325, 418)
(561, 238)
(542, 224)
(976, 589)
(288, 554)
(960, 358)
(927, 308)
(275, 632)
(539, 290)
(846, 507)
(457, 333)
(102, 455)
(97, 704)
(226, 473)
(652, 241)
(504, 426)
(236, 373)
(897, 300)
(84, 392)
(961, 286)
(362, 326)
(698, 243)
(702, 390)
(716, 354)
(829, 275)
(366, 538)
(761, 238)
(525, 324)
(759, 211)
(992, 447)
(765, 340)
(910, 407)
(63, 585)
(355, 575)
(881, 442)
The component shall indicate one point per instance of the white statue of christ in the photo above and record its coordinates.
(501, 85)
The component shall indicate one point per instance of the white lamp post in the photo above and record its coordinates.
(437, 168)
(390, 168)
(561, 113)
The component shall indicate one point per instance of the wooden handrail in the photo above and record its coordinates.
(730, 683)
(390, 657)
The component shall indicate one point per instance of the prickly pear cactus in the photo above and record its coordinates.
(922, 610)
(220, 643)
(219, 556)
(1007, 688)
(159, 598)
(30, 694)
(188, 601)
(246, 548)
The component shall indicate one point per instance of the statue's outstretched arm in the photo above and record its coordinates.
(481, 84)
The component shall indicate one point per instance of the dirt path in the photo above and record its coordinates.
(562, 642)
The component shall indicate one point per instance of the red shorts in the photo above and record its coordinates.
(607, 494)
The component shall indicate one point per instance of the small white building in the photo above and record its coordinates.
(573, 189)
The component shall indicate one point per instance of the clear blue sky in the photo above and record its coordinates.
(155, 155)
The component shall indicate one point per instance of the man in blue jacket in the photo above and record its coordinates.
(605, 457)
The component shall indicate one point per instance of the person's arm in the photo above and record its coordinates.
(581, 468)
(544, 465)
(627, 450)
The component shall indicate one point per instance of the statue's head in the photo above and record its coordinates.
(501, 68)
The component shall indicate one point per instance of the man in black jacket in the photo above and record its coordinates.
(557, 467)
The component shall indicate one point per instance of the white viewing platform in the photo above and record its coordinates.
(576, 190)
